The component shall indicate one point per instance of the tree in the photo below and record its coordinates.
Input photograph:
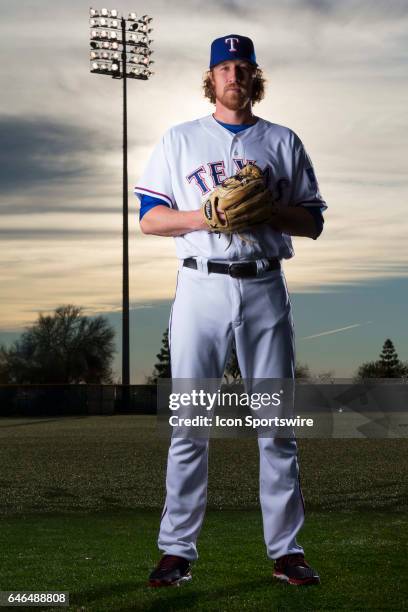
(302, 370)
(389, 361)
(232, 372)
(4, 368)
(162, 368)
(387, 366)
(370, 369)
(65, 347)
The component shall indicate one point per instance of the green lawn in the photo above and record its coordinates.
(103, 560)
(80, 500)
(118, 462)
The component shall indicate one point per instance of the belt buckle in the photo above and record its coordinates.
(235, 268)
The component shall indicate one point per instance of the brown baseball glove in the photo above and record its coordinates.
(244, 200)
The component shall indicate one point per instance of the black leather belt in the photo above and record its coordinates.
(246, 269)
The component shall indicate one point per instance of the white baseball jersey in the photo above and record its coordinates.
(194, 157)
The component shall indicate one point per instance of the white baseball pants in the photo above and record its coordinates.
(208, 311)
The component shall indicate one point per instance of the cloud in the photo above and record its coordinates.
(353, 8)
(336, 75)
(25, 208)
(35, 234)
(37, 151)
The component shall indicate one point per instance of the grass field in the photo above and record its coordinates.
(81, 500)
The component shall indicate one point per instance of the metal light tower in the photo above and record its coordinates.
(120, 48)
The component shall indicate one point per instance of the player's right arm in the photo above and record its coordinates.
(164, 221)
(159, 213)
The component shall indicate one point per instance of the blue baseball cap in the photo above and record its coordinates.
(232, 47)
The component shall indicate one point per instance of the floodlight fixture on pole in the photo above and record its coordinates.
(120, 48)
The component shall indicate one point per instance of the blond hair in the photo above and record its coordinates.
(258, 86)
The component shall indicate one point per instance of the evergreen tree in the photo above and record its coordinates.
(389, 362)
(162, 368)
(387, 366)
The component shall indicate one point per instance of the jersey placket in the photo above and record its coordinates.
(236, 153)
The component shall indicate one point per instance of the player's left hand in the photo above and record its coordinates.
(239, 203)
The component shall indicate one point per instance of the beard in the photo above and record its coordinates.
(234, 99)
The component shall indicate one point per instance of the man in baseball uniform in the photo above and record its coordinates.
(231, 289)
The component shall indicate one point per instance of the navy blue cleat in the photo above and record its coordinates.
(170, 571)
(293, 569)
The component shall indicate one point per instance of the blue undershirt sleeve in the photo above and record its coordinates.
(316, 212)
(148, 202)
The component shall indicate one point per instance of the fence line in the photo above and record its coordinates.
(81, 399)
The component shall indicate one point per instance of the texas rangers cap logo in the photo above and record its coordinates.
(232, 47)
(232, 41)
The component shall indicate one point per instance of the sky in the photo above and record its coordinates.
(336, 75)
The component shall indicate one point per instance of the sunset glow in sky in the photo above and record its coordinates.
(336, 75)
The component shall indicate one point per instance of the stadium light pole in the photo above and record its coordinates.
(120, 48)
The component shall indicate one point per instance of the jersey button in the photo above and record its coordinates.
(235, 152)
